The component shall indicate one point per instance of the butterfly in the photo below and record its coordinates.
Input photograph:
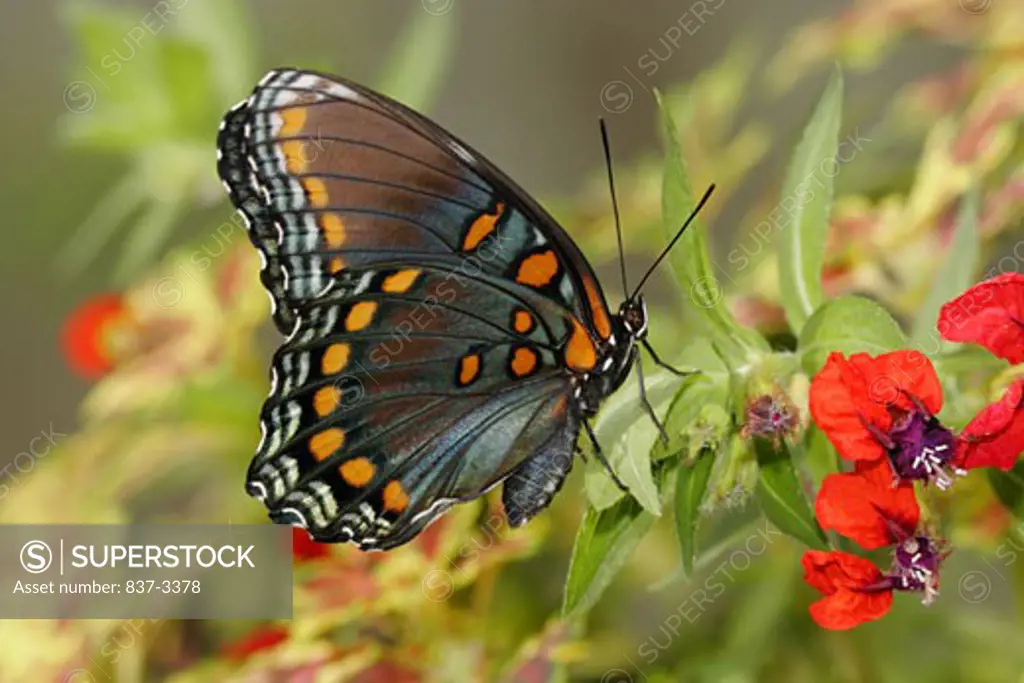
(444, 334)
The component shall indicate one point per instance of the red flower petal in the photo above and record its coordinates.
(995, 437)
(849, 608)
(84, 335)
(830, 571)
(305, 548)
(851, 588)
(260, 638)
(990, 314)
(849, 394)
(866, 507)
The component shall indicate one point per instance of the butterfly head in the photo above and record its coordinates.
(633, 316)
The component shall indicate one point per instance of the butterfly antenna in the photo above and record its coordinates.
(678, 235)
(615, 204)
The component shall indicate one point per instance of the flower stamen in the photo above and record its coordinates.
(915, 567)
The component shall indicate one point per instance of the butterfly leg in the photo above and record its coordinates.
(658, 361)
(599, 454)
(647, 404)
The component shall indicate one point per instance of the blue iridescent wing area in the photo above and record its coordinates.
(434, 314)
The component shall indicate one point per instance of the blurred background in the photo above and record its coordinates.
(113, 209)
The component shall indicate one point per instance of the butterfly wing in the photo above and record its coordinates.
(406, 185)
(388, 406)
(434, 315)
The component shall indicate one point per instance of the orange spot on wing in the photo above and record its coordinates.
(537, 270)
(482, 227)
(395, 497)
(522, 321)
(580, 353)
(335, 358)
(316, 190)
(524, 361)
(469, 368)
(295, 159)
(336, 265)
(333, 229)
(360, 315)
(598, 311)
(357, 472)
(326, 400)
(400, 281)
(293, 120)
(324, 444)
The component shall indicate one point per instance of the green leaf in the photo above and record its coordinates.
(604, 542)
(781, 495)
(116, 100)
(820, 457)
(1009, 488)
(691, 485)
(418, 64)
(955, 276)
(690, 258)
(807, 199)
(223, 28)
(187, 72)
(849, 324)
(146, 80)
(626, 432)
(700, 404)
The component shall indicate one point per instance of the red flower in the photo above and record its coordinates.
(875, 409)
(990, 314)
(866, 507)
(995, 437)
(857, 591)
(260, 638)
(86, 335)
(304, 548)
(854, 588)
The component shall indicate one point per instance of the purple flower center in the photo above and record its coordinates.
(922, 448)
(916, 567)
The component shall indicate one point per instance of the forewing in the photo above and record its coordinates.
(333, 176)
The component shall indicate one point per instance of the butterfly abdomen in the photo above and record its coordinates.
(534, 484)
